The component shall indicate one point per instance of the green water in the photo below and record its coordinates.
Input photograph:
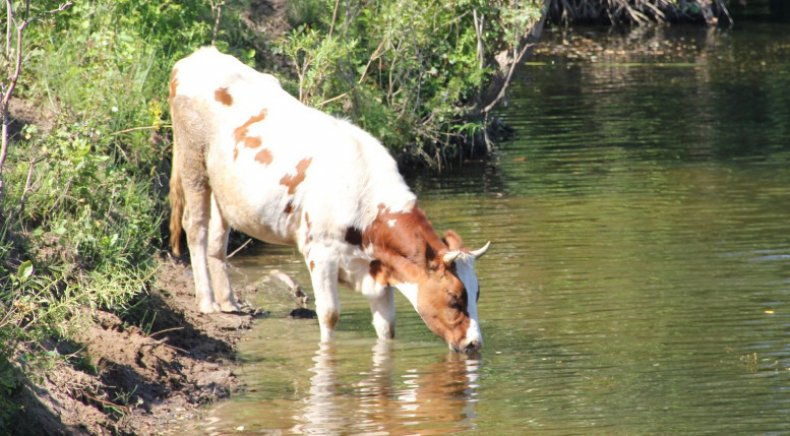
(639, 276)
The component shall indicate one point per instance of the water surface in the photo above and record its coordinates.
(639, 276)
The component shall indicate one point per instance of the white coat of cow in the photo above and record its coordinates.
(248, 155)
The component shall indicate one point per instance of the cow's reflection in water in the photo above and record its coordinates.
(434, 399)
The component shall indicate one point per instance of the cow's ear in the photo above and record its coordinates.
(452, 240)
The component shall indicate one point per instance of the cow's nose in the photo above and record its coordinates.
(472, 347)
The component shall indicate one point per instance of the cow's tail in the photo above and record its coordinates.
(176, 207)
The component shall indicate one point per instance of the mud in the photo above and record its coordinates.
(122, 379)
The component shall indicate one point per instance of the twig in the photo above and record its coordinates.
(330, 100)
(171, 329)
(373, 57)
(334, 18)
(216, 7)
(479, 23)
(246, 243)
(134, 129)
(723, 11)
(28, 188)
(104, 403)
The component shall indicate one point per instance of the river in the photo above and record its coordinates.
(639, 275)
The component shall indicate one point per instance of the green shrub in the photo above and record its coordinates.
(408, 71)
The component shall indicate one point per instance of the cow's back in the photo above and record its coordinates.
(274, 164)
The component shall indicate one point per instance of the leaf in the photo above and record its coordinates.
(25, 271)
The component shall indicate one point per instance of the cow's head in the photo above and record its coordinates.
(447, 296)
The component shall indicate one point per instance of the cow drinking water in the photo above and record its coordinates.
(248, 155)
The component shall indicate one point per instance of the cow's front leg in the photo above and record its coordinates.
(382, 307)
(323, 274)
(218, 231)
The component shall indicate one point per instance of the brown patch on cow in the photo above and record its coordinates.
(312, 265)
(241, 132)
(223, 96)
(288, 207)
(235, 152)
(292, 182)
(411, 237)
(264, 156)
(354, 236)
(378, 272)
(173, 83)
(330, 320)
(307, 237)
(252, 142)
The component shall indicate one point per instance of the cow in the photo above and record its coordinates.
(247, 155)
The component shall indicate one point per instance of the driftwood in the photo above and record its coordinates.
(296, 290)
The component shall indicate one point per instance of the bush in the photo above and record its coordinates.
(89, 231)
(409, 72)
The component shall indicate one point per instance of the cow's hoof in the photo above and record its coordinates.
(209, 307)
(230, 306)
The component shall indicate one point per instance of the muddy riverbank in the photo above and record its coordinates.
(139, 376)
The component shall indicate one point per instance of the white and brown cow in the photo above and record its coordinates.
(250, 156)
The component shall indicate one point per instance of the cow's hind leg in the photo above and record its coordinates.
(218, 231)
(190, 141)
(196, 224)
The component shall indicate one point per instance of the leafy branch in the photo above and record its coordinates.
(12, 59)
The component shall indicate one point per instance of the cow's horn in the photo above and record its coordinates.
(481, 251)
(450, 257)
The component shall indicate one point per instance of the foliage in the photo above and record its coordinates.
(84, 232)
(382, 64)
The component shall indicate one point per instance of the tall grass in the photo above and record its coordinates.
(88, 233)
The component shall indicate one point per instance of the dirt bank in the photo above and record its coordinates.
(122, 379)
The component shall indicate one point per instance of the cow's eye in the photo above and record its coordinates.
(457, 303)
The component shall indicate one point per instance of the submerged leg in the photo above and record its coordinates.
(382, 306)
(323, 274)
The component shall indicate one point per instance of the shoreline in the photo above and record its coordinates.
(118, 379)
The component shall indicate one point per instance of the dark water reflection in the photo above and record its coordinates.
(639, 277)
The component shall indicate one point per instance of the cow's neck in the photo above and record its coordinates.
(405, 245)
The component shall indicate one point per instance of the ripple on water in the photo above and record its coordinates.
(637, 282)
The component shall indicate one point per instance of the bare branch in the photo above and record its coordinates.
(216, 7)
(28, 187)
(334, 18)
